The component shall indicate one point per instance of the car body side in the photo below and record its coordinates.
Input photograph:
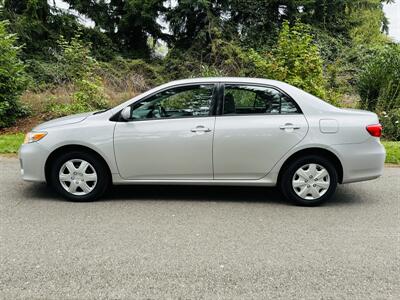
(340, 132)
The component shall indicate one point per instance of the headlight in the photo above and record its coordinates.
(34, 137)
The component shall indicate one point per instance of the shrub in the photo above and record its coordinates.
(391, 124)
(71, 61)
(78, 67)
(296, 60)
(75, 59)
(13, 80)
(379, 81)
(125, 74)
(89, 96)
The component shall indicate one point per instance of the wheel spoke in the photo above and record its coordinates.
(302, 173)
(314, 193)
(321, 174)
(85, 187)
(90, 177)
(72, 187)
(65, 177)
(322, 184)
(304, 191)
(312, 170)
(299, 183)
(70, 166)
(83, 166)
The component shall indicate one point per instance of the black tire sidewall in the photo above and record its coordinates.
(286, 180)
(101, 170)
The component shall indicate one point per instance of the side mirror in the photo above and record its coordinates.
(126, 113)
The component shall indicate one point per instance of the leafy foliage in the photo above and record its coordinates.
(379, 81)
(391, 124)
(13, 80)
(78, 67)
(297, 60)
(126, 23)
(89, 97)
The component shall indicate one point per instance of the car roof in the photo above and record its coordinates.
(226, 79)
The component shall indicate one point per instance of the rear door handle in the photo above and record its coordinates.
(200, 128)
(289, 126)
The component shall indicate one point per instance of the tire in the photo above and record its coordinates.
(299, 185)
(79, 176)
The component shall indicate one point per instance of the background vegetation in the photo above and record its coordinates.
(53, 64)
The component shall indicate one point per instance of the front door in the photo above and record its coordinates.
(169, 136)
(258, 126)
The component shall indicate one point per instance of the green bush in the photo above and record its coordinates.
(379, 81)
(70, 62)
(13, 79)
(79, 68)
(391, 124)
(121, 72)
(89, 96)
(296, 60)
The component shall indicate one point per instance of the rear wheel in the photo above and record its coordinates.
(79, 176)
(309, 181)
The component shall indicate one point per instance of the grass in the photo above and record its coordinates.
(9, 143)
(392, 152)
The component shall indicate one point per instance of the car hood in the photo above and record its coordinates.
(63, 121)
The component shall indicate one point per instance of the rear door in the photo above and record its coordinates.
(257, 126)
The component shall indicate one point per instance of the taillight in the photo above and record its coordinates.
(375, 130)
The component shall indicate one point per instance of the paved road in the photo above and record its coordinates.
(198, 242)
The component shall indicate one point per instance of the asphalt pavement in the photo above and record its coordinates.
(157, 242)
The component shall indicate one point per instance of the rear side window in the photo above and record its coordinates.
(250, 99)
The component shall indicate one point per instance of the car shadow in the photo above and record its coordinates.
(193, 193)
(196, 193)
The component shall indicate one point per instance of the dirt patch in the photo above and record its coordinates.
(22, 125)
(9, 155)
(392, 166)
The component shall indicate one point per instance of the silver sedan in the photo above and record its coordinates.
(209, 131)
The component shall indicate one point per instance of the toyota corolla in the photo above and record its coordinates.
(209, 131)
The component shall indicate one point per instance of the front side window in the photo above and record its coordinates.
(249, 99)
(179, 102)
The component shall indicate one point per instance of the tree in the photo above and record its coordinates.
(128, 24)
(12, 78)
(37, 25)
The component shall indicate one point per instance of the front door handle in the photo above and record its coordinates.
(289, 126)
(200, 128)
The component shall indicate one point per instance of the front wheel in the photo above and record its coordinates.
(79, 176)
(309, 181)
